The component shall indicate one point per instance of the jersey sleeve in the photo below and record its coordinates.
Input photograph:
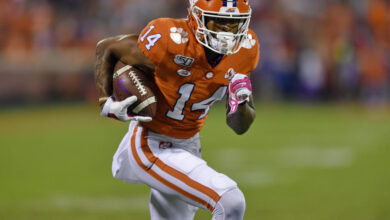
(254, 52)
(153, 41)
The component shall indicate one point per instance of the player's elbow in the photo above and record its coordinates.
(104, 47)
(105, 52)
(240, 125)
(240, 130)
(101, 45)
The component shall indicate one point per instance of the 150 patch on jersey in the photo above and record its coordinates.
(184, 61)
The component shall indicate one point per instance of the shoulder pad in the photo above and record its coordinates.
(162, 35)
(251, 47)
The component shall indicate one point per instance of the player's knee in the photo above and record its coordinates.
(231, 206)
(234, 204)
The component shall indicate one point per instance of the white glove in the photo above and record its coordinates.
(118, 110)
(240, 89)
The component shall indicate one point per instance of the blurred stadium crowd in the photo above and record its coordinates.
(311, 50)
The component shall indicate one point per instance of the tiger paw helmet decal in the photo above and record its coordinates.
(249, 42)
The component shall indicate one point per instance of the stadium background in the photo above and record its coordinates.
(319, 148)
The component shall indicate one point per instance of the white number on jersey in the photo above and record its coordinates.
(152, 39)
(206, 104)
(185, 92)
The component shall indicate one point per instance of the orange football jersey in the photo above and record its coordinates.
(188, 84)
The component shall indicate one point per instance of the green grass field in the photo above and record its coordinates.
(303, 163)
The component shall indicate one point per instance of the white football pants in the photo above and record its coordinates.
(180, 180)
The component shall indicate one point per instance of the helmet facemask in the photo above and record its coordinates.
(221, 42)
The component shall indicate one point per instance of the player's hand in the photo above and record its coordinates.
(118, 110)
(240, 89)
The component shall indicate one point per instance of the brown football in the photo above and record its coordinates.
(129, 81)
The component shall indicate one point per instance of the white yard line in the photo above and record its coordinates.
(295, 157)
(231, 158)
(316, 157)
(256, 178)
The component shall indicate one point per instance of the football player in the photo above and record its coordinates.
(194, 62)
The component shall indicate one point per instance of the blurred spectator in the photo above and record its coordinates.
(310, 50)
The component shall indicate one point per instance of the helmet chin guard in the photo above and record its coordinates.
(223, 43)
(228, 43)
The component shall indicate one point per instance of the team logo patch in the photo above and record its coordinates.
(165, 145)
(184, 72)
(178, 35)
(230, 10)
(183, 60)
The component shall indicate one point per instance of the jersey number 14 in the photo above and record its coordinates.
(152, 39)
(185, 92)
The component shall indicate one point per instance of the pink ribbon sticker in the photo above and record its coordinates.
(233, 106)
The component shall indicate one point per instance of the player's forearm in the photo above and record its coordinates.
(105, 62)
(241, 120)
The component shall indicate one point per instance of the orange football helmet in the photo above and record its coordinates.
(236, 11)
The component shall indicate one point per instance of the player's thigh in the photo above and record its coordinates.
(195, 172)
(177, 172)
(121, 164)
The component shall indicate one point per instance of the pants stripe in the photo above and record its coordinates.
(173, 172)
(146, 150)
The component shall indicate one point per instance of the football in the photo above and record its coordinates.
(129, 81)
